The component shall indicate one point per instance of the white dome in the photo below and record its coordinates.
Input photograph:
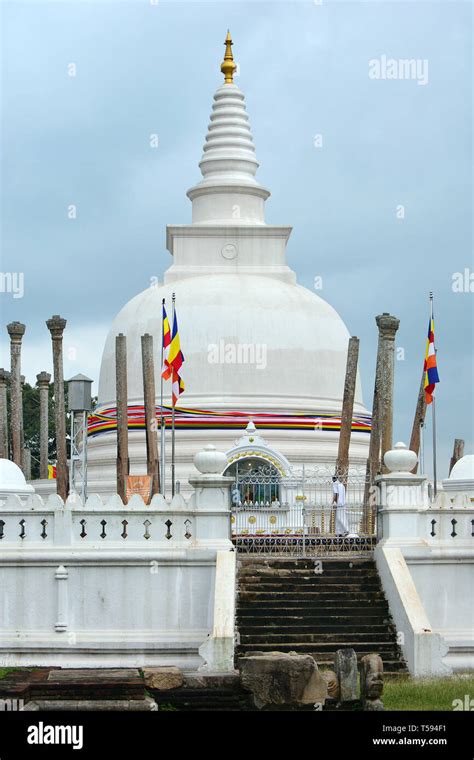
(300, 345)
(463, 469)
(12, 479)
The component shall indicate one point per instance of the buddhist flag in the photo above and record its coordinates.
(175, 356)
(177, 387)
(166, 368)
(430, 368)
(51, 471)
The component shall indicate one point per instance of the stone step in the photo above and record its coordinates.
(321, 646)
(348, 638)
(270, 609)
(309, 587)
(311, 592)
(321, 625)
(390, 666)
(284, 605)
(301, 563)
(315, 570)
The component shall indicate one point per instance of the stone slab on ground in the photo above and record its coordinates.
(73, 683)
(95, 705)
(163, 678)
(279, 678)
(90, 675)
(207, 680)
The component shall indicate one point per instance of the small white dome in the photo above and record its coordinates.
(12, 479)
(463, 469)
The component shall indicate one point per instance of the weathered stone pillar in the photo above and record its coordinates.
(16, 330)
(43, 380)
(4, 378)
(26, 462)
(153, 465)
(388, 326)
(123, 461)
(373, 460)
(458, 453)
(25, 452)
(56, 327)
(342, 463)
(418, 420)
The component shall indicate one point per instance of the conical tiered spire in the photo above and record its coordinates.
(228, 66)
(228, 164)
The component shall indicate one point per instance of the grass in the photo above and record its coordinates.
(426, 693)
(5, 671)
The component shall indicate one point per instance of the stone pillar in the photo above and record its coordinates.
(418, 421)
(26, 462)
(56, 327)
(153, 465)
(43, 380)
(342, 463)
(373, 462)
(388, 326)
(4, 378)
(458, 453)
(16, 330)
(25, 452)
(123, 462)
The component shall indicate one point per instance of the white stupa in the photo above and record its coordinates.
(461, 477)
(254, 341)
(12, 480)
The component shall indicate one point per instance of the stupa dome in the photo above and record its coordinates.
(12, 479)
(291, 344)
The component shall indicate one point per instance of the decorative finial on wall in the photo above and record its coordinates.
(228, 66)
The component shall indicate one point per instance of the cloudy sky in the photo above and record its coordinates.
(381, 203)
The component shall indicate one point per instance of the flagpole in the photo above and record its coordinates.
(422, 447)
(433, 411)
(162, 430)
(172, 417)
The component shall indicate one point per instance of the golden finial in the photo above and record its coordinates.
(228, 66)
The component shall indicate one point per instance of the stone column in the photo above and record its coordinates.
(418, 420)
(43, 380)
(153, 465)
(373, 460)
(342, 463)
(25, 452)
(123, 462)
(16, 330)
(458, 453)
(4, 378)
(388, 326)
(56, 327)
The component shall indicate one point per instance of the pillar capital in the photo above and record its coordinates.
(388, 325)
(16, 331)
(43, 379)
(56, 326)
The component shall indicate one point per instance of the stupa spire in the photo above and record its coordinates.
(228, 65)
(228, 190)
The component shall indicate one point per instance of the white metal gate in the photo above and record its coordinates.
(295, 514)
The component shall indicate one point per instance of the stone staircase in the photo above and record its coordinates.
(315, 607)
